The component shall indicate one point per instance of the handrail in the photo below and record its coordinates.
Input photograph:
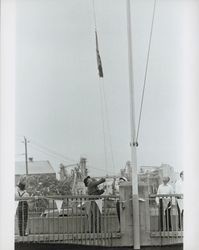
(166, 195)
(57, 197)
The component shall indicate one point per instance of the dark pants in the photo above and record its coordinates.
(95, 218)
(22, 217)
(167, 216)
(118, 210)
(180, 218)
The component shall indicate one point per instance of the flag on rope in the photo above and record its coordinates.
(99, 203)
(59, 204)
(99, 62)
(180, 204)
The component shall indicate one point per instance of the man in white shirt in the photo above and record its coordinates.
(179, 191)
(165, 203)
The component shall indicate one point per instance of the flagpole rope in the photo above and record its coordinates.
(102, 103)
(103, 127)
(146, 70)
(94, 15)
(108, 126)
(104, 106)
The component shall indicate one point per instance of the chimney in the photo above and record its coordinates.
(83, 166)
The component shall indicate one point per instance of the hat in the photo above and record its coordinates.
(21, 185)
(123, 178)
(86, 181)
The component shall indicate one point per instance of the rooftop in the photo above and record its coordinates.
(34, 167)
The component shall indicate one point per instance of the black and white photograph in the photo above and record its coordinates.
(101, 128)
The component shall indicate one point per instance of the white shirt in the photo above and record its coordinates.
(179, 190)
(179, 187)
(164, 189)
(21, 194)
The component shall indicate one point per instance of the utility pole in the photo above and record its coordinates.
(26, 154)
(134, 144)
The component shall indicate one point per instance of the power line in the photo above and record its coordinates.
(71, 165)
(101, 169)
(52, 151)
(39, 149)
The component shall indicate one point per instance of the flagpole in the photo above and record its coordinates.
(135, 200)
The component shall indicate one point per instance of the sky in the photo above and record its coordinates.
(58, 101)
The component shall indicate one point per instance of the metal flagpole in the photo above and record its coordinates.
(134, 144)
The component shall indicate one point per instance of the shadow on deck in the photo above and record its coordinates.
(58, 246)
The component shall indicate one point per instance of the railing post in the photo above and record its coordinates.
(126, 216)
(126, 222)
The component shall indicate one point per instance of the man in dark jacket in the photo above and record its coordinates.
(92, 185)
(95, 214)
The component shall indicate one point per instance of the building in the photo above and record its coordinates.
(163, 170)
(77, 172)
(150, 177)
(35, 168)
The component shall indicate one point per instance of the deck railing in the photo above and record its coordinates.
(94, 220)
(166, 218)
(90, 220)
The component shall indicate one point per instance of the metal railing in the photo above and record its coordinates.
(166, 218)
(94, 220)
(90, 220)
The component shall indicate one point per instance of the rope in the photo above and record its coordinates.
(94, 15)
(108, 126)
(146, 71)
(104, 108)
(103, 125)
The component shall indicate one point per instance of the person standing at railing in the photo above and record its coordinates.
(94, 212)
(180, 207)
(165, 203)
(92, 185)
(22, 210)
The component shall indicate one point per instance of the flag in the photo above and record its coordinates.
(180, 204)
(99, 203)
(59, 204)
(99, 62)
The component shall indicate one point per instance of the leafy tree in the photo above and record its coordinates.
(41, 186)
